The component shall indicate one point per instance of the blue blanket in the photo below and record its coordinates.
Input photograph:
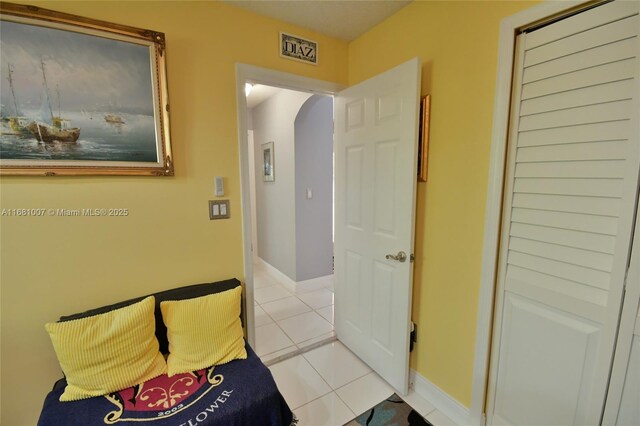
(241, 393)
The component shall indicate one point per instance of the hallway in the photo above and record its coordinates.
(288, 320)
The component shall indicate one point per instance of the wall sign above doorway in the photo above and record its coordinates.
(298, 49)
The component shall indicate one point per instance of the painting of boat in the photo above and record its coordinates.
(15, 124)
(113, 119)
(84, 98)
(46, 133)
(57, 129)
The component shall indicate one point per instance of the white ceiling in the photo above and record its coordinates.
(260, 93)
(342, 19)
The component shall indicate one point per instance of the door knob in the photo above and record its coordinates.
(400, 257)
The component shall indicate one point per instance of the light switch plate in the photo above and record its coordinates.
(218, 209)
(219, 186)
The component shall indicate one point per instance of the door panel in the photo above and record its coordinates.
(351, 291)
(375, 145)
(353, 185)
(630, 404)
(555, 345)
(385, 184)
(383, 278)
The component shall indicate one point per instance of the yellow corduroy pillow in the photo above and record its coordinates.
(108, 352)
(203, 331)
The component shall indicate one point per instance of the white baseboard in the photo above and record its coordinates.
(291, 285)
(281, 277)
(318, 282)
(446, 404)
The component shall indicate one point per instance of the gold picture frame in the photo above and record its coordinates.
(101, 89)
(423, 143)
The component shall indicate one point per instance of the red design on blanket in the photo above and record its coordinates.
(162, 392)
(162, 396)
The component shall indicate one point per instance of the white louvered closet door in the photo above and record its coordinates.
(570, 196)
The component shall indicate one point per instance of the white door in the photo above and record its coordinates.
(376, 128)
(570, 200)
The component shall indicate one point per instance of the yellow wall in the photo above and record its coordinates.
(457, 43)
(54, 265)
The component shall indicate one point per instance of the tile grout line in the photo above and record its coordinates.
(322, 396)
(346, 405)
(320, 375)
(296, 296)
(288, 337)
(332, 332)
(287, 334)
(345, 402)
(310, 308)
(266, 313)
(299, 351)
(351, 381)
(274, 300)
(284, 356)
(293, 344)
(304, 313)
(296, 345)
(340, 387)
(323, 307)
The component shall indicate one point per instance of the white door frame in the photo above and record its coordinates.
(252, 194)
(250, 73)
(493, 212)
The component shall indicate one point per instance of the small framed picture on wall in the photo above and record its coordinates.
(268, 165)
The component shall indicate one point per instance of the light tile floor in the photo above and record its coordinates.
(329, 386)
(288, 321)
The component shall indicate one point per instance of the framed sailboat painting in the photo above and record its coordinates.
(81, 96)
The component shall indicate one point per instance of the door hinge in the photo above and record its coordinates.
(412, 336)
(412, 257)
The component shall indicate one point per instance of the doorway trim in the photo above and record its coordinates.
(257, 75)
(490, 247)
